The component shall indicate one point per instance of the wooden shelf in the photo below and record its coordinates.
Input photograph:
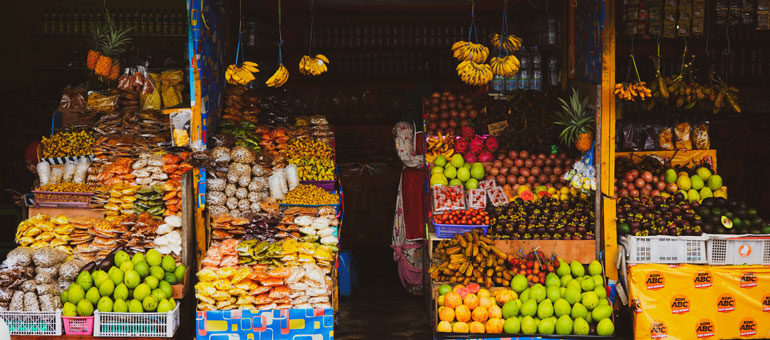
(679, 157)
(583, 251)
(69, 212)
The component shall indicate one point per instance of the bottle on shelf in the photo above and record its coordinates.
(553, 71)
(537, 71)
(524, 69)
(46, 21)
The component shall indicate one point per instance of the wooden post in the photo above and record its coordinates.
(606, 140)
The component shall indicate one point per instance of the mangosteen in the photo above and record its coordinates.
(676, 211)
(545, 237)
(540, 229)
(670, 200)
(635, 205)
(571, 229)
(560, 230)
(687, 231)
(577, 236)
(636, 225)
(642, 209)
(625, 200)
(647, 225)
(582, 228)
(657, 200)
(663, 208)
(664, 232)
(667, 217)
(588, 237)
(688, 216)
(565, 206)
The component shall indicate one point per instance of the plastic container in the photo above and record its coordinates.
(62, 199)
(738, 250)
(497, 196)
(78, 325)
(450, 230)
(33, 323)
(477, 199)
(666, 249)
(447, 198)
(160, 325)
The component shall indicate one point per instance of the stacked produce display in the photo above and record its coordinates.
(478, 288)
(275, 211)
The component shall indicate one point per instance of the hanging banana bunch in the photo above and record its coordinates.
(472, 69)
(312, 66)
(506, 66)
(281, 75)
(279, 78)
(466, 50)
(240, 73)
(506, 42)
(632, 91)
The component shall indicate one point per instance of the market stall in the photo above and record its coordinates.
(512, 228)
(692, 241)
(107, 243)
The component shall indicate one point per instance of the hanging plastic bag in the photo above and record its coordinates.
(291, 176)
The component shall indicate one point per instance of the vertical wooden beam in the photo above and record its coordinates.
(607, 141)
(570, 67)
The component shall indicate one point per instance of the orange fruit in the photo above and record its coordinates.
(462, 313)
(471, 301)
(452, 300)
(480, 314)
(477, 327)
(446, 314)
(460, 327)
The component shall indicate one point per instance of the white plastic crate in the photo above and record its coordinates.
(738, 249)
(161, 325)
(666, 249)
(33, 323)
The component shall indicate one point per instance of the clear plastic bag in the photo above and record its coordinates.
(276, 188)
(56, 176)
(20, 256)
(48, 257)
(291, 176)
(69, 172)
(43, 172)
(81, 170)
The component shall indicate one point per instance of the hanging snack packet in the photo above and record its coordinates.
(666, 138)
(700, 135)
(682, 131)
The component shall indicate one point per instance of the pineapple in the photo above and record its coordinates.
(93, 56)
(578, 122)
(114, 71)
(110, 43)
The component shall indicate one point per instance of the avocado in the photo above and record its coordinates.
(747, 223)
(752, 212)
(708, 228)
(757, 221)
(704, 212)
(726, 222)
(733, 204)
(766, 229)
(715, 220)
(624, 228)
(716, 211)
(740, 212)
(737, 223)
(720, 202)
(708, 202)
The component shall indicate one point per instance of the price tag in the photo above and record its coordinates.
(496, 129)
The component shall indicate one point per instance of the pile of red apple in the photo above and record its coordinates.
(463, 217)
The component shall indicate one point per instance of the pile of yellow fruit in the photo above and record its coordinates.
(307, 194)
(68, 143)
(314, 159)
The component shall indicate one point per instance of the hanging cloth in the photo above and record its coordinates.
(408, 222)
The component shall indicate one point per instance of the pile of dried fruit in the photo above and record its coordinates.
(306, 194)
(67, 143)
(66, 187)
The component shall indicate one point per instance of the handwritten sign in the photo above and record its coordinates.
(496, 129)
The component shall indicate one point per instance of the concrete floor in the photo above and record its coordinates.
(381, 308)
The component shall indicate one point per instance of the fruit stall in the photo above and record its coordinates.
(107, 243)
(693, 242)
(514, 235)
